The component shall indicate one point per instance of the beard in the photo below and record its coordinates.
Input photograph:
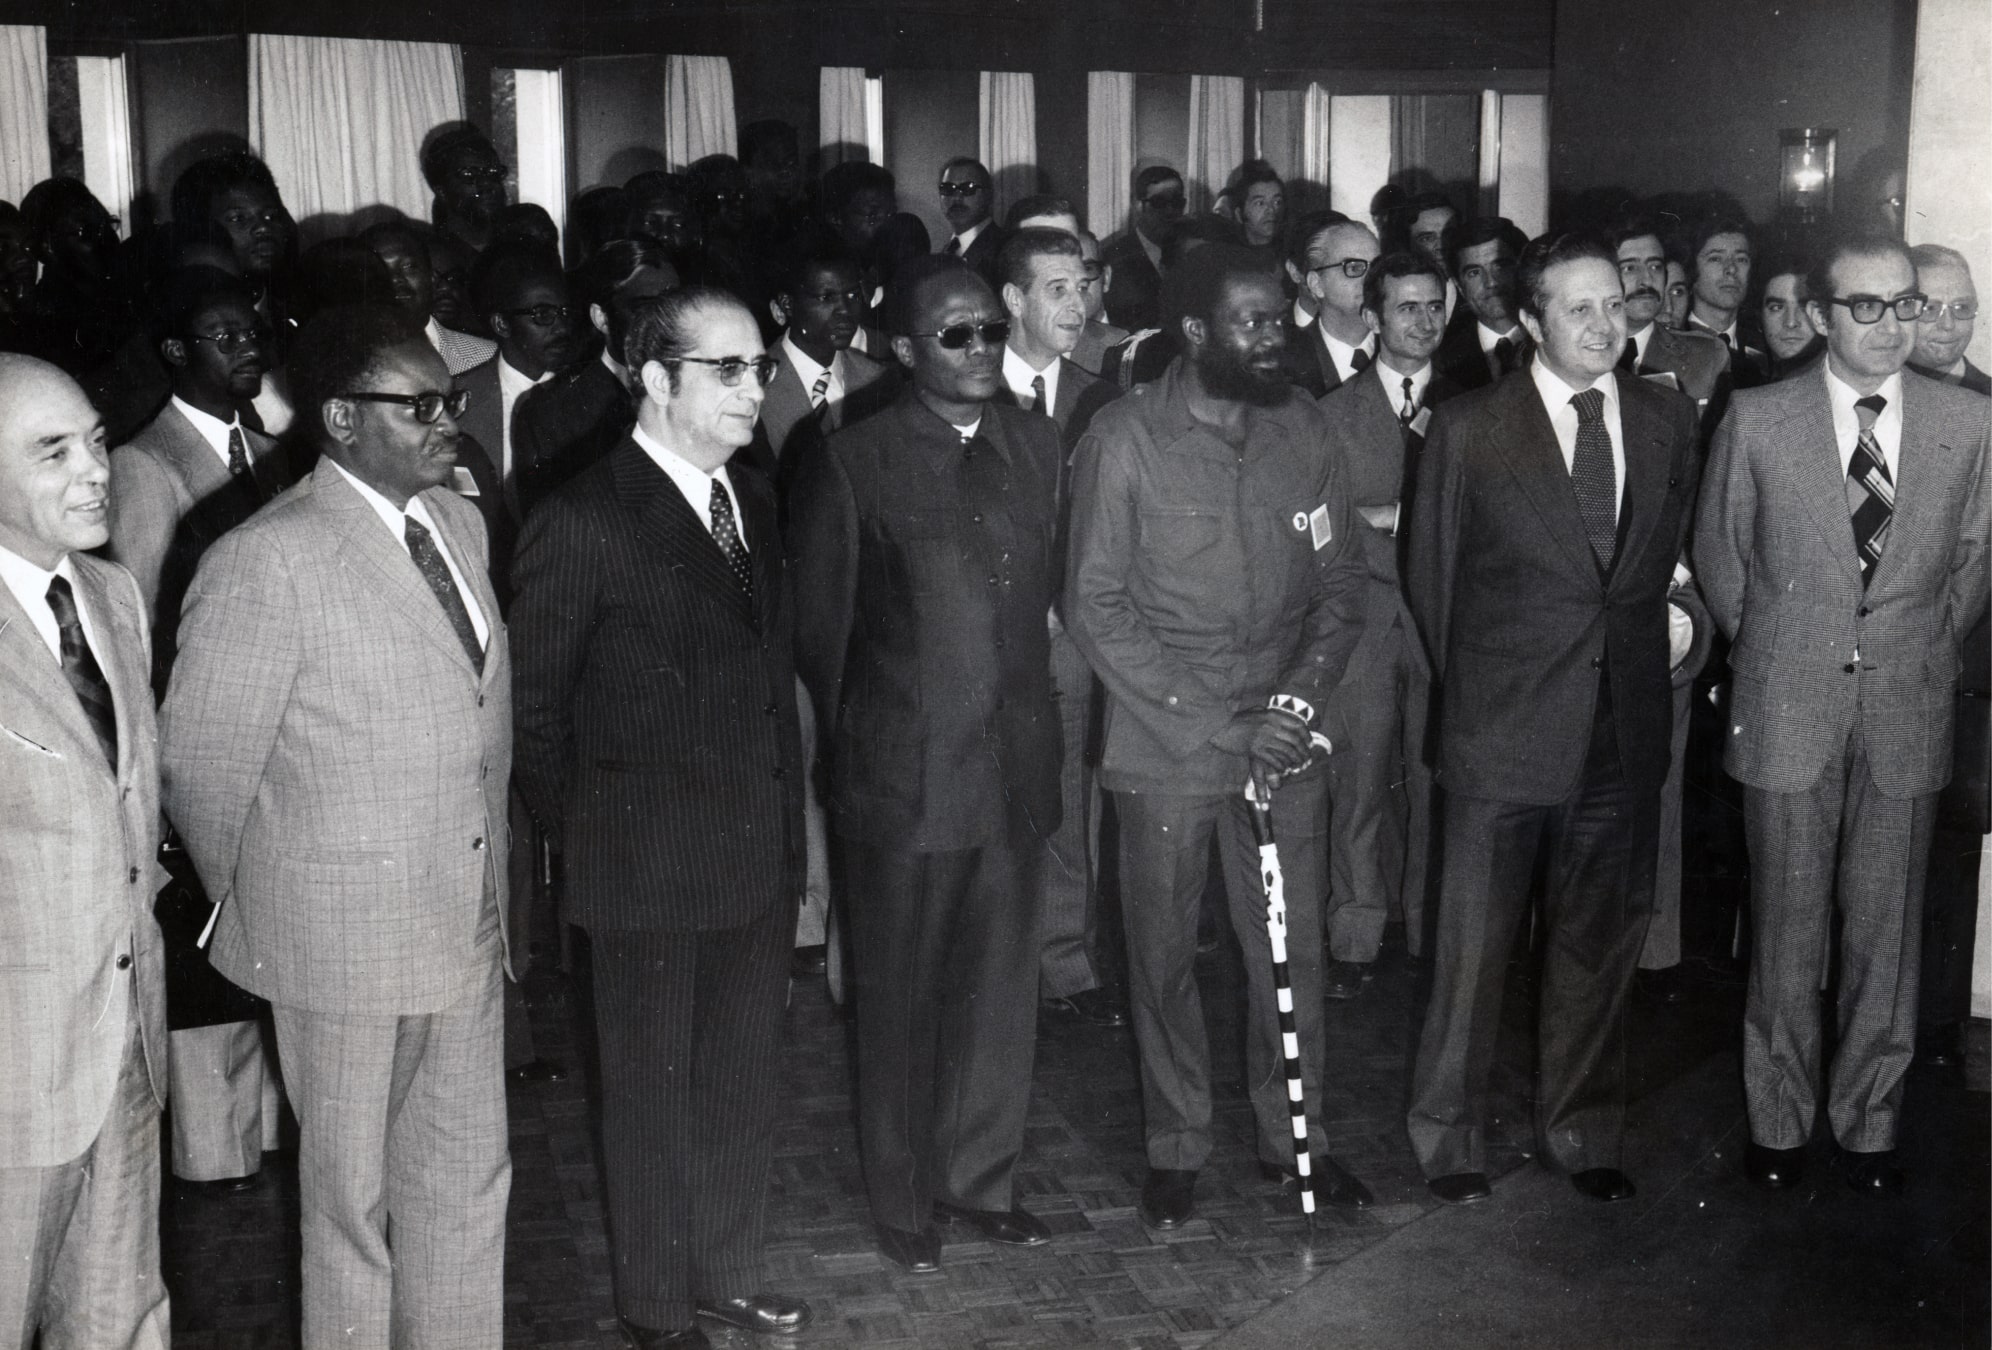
(1226, 376)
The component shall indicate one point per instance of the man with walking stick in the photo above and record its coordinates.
(1215, 584)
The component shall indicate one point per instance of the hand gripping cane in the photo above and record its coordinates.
(1276, 930)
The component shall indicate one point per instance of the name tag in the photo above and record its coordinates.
(1665, 378)
(1318, 526)
(462, 483)
(1421, 421)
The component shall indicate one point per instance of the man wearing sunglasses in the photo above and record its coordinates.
(337, 745)
(1338, 345)
(968, 200)
(926, 558)
(1841, 544)
(1133, 257)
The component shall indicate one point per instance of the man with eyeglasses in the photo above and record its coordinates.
(1841, 544)
(404, 247)
(1215, 585)
(464, 172)
(522, 293)
(1134, 256)
(926, 557)
(659, 746)
(1944, 328)
(337, 743)
(1338, 345)
(1480, 256)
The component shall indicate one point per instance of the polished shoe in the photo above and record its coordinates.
(1774, 1169)
(808, 962)
(1603, 1183)
(1088, 1007)
(1460, 1188)
(918, 1252)
(538, 1071)
(1168, 1198)
(1344, 979)
(1668, 987)
(1332, 1183)
(225, 1185)
(765, 1314)
(1012, 1228)
(1875, 1173)
(650, 1338)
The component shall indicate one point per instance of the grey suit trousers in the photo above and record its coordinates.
(1840, 839)
(403, 1171)
(1663, 934)
(1071, 868)
(79, 1242)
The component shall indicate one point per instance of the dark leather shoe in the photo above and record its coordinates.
(1088, 1007)
(225, 1186)
(1874, 1173)
(651, 1338)
(807, 962)
(1603, 1183)
(1332, 1183)
(1013, 1228)
(538, 1071)
(918, 1252)
(1168, 1198)
(1343, 979)
(764, 1314)
(1774, 1169)
(1460, 1188)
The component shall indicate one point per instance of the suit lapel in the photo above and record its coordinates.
(1917, 465)
(373, 551)
(1815, 457)
(474, 573)
(199, 466)
(118, 647)
(667, 522)
(1529, 446)
(1647, 463)
(38, 673)
(787, 402)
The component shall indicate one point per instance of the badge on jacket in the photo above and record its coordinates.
(1318, 526)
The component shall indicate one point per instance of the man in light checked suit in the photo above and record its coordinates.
(337, 748)
(1841, 543)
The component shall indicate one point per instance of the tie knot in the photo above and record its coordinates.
(1359, 360)
(1868, 410)
(61, 601)
(1590, 405)
(416, 532)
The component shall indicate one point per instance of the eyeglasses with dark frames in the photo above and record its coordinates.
(229, 341)
(1869, 308)
(1355, 269)
(428, 405)
(732, 369)
(956, 336)
(545, 316)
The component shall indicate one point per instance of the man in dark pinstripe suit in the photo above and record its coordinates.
(659, 745)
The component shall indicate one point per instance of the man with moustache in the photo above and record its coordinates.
(1720, 262)
(1842, 546)
(926, 557)
(1481, 255)
(1943, 330)
(337, 745)
(462, 168)
(1215, 585)
(1338, 345)
(82, 993)
(968, 200)
(1696, 363)
(1547, 521)
(1380, 788)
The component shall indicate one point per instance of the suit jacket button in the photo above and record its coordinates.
(124, 962)
(134, 871)
(1865, 611)
(480, 700)
(477, 843)
(1849, 667)
(977, 518)
(1597, 663)
(780, 772)
(772, 709)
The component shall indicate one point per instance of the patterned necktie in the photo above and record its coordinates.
(1870, 491)
(1037, 395)
(727, 535)
(1410, 408)
(820, 391)
(1359, 361)
(80, 668)
(435, 570)
(238, 465)
(1629, 358)
(1592, 475)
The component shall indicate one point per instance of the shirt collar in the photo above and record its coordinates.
(513, 382)
(1644, 339)
(806, 367)
(695, 483)
(1017, 373)
(26, 580)
(1393, 382)
(212, 429)
(1556, 395)
(1344, 352)
(971, 234)
(1488, 337)
(1841, 396)
(395, 519)
(1302, 316)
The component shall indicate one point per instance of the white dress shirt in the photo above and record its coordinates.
(1393, 383)
(1301, 317)
(1639, 342)
(693, 483)
(1489, 339)
(1343, 354)
(397, 525)
(809, 372)
(968, 237)
(1556, 396)
(212, 429)
(29, 584)
(511, 384)
(1847, 423)
(1017, 373)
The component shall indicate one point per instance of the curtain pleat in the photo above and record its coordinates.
(1009, 133)
(1109, 150)
(840, 114)
(1217, 135)
(23, 109)
(698, 109)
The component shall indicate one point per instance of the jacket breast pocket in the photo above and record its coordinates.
(922, 551)
(1179, 534)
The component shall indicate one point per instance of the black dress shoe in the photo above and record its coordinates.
(1012, 1228)
(1603, 1183)
(538, 1071)
(806, 962)
(765, 1314)
(1168, 1198)
(225, 1186)
(651, 1338)
(1332, 1183)
(1874, 1173)
(1460, 1188)
(1089, 1007)
(1774, 1169)
(1344, 979)
(918, 1252)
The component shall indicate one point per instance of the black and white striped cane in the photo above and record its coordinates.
(1274, 882)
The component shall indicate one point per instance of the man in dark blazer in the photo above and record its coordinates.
(1485, 339)
(1338, 345)
(968, 200)
(1842, 547)
(658, 744)
(1943, 330)
(1547, 521)
(523, 296)
(925, 553)
(1694, 362)
(1133, 258)
(1380, 786)
(822, 383)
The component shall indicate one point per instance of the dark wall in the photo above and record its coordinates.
(188, 98)
(615, 118)
(930, 117)
(1691, 94)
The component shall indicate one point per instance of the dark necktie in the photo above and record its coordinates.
(1870, 491)
(727, 535)
(1410, 408)
(1504, 356)
(80, 668)
(1629, 358)
(1591, 474)
(1037, 395)
(1359, 361)
(435, 570)
(820, 391)
(954, 247)
(239, 472)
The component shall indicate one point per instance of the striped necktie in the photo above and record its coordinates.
(1870, 491)
(820, 391)
(80, 668)
(1591, 473)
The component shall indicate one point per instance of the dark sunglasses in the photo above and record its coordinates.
(963, 189)
(956, 336)
(545, 316)
(428, 404)
(1169, 203)
(490, 174)
(732, 369)
(1869, 308)
(229, 341)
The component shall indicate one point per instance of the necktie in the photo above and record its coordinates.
(1629, 358)
(1037, 395)
(727, 535)
(1359, 361)
(1504, 357)
(239, 472)
(1870, 491)
(79, 667)
(1410, 408)
(435, 570)
(954, 247)
(1592, 476)
(819, 391)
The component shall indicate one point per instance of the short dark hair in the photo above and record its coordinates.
(1708, 227)
(44, 203)
(1389, 267)
(811, 249)
(902, 238)
(665, 327)
(525, 222)
(969, 162)
(902, 297)
(651, 184)
(1039, 204)
(1550, 251)
(1637, 225)
(1788, 264)
(1150, 176)
(597, 281)
(397, 227)
(505, 269)
(194, 191)
(1472, 232)
(1194, 285)
(1024, 247)
(444, 142)
(188, 291)
(1306, 230)
(1935, 255)
(1250, 173)
(1854, 244)
(337, 351)
(338, 272)
(769, 133)
(593, 218)
(841, 182)
(1402, 216)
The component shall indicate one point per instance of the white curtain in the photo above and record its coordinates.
(1316, 119)
(1523, 191)
(23, 109)
(1948, 200)
(1008, 142)
(840, 115)
(698, 109)
(1109, 150)
(1217, 135)
(1359, 149)
(341, 121)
